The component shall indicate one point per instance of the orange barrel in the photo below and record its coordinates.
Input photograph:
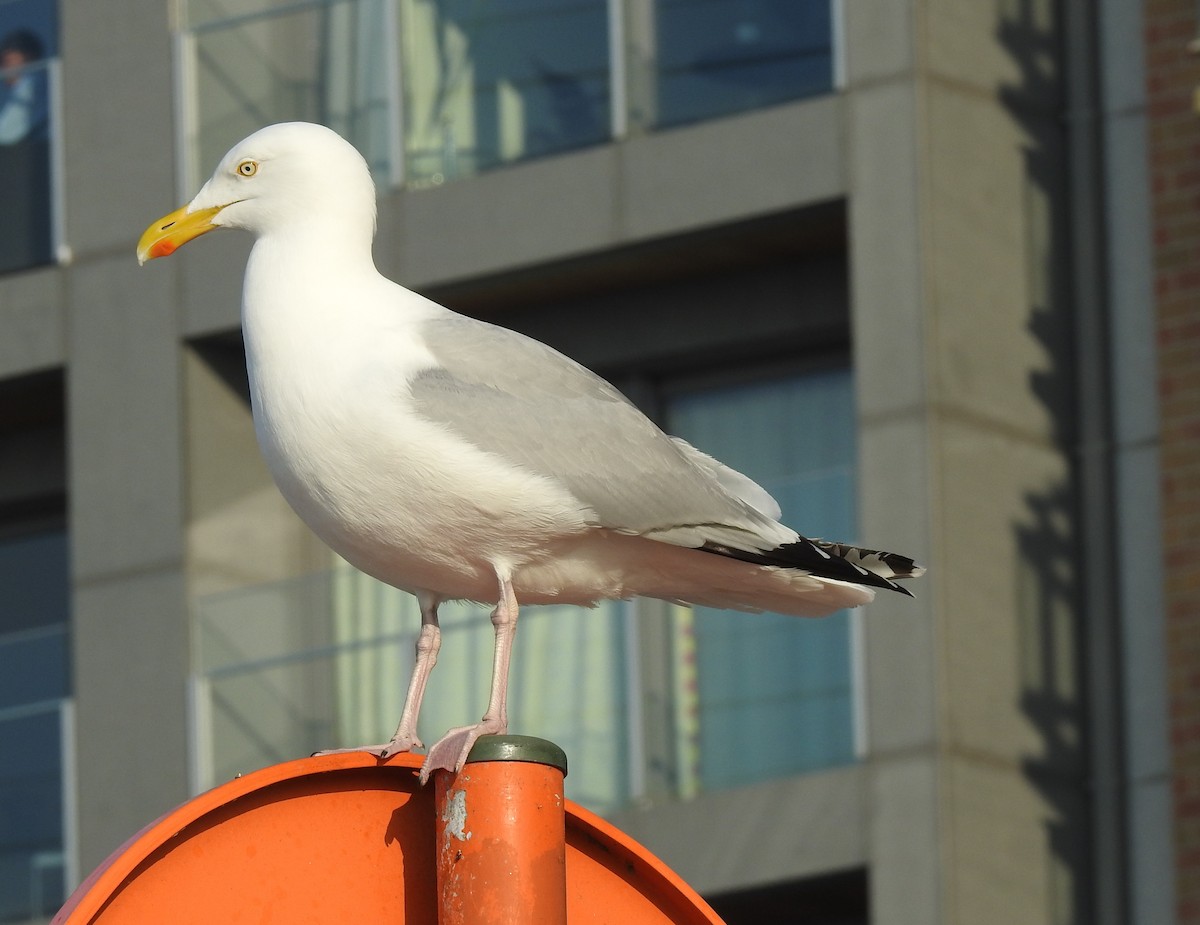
(501, 835)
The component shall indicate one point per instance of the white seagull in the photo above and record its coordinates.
(458, 460)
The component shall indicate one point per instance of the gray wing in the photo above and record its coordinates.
(523, 401)
(731, 480)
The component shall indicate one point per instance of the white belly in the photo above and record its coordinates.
(400, 498)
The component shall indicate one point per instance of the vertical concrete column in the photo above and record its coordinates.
(888, 285)
(958, 257)
(129, 631)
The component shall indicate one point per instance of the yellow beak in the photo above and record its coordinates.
(169, 232)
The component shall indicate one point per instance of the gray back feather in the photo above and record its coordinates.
(523, 401)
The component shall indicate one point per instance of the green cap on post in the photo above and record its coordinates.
(518, 748)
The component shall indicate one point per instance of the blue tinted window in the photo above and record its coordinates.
(774, 693)
(34, 684)
(717, 57)
(438, 89)
(31, 813)
(34, 667)
(491, 83)
(33, 580)
(28, 49)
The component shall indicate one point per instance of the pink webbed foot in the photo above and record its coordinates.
(450, 751)
(398, 744)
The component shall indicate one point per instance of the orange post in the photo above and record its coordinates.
(501, 835)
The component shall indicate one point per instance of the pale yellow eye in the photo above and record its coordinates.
(247, 168)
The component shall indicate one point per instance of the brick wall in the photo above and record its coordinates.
(1174, 138)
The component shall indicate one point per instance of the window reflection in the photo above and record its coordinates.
(486, 84)
(321, 661)
(321, 61)
(773, 694)
(34, 717)
(26, 53)
(717, 57)
(438, 89)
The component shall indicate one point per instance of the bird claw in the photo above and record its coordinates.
(383, 751)
(375, 750)
(396, 746)
(449, 753)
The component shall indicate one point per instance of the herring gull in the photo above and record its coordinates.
(458, 460)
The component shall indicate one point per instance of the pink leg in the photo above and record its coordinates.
(428, 643)
(450, 751)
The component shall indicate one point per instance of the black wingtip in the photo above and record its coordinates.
(805, 554)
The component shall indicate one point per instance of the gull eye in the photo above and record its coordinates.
(247, 168)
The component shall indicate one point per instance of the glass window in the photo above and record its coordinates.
(34, 711)
(491, 83)
(28, 57)
(717, 57)
(323, 61)
(774, 695)
(323, 661)
(437, 89)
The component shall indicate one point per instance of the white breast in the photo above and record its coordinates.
(394, 494)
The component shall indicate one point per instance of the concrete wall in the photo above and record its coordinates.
(975, 775)
(125, 427)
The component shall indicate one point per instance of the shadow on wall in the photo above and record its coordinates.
(1051, 619)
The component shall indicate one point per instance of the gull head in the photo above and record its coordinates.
(282, 178)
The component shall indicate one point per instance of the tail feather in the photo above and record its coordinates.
(838, 561)
(884, 564)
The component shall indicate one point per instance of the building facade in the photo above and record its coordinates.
(895, 261)
(1173, 141)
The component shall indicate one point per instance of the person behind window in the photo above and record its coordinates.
(25, 205)
(23, 112)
